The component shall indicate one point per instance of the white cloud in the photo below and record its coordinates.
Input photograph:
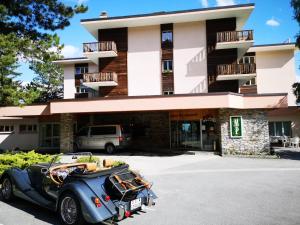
(225, 2)
(272, 22)
(70, 51)
(204, 3)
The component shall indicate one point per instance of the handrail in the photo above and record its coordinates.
(231, 36)
(100, 77)
(229, 69)
(100, 46)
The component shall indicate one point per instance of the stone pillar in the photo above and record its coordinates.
(66, 132)
(255, 138)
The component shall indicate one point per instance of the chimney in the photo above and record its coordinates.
(103, 14)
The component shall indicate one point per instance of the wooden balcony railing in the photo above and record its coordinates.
(232, 36)
(100, 77)
(229, 69)
(100, 46)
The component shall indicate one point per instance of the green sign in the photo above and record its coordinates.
(236, 126)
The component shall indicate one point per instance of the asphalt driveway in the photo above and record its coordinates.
(202, 189)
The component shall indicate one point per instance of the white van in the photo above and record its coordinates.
(108, 137)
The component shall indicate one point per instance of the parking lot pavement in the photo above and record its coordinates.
(202, 190)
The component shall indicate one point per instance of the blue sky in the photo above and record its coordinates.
(272, 21)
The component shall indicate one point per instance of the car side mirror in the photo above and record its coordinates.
(44, 171)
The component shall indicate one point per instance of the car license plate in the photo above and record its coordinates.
(137, 203)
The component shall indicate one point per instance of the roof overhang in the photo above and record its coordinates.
(241, 12)
(273, 47)
(176, 102)
(24, 111)
(150, 103)
(70, 61)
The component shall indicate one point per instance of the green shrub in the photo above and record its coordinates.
(87, 159)
(21, 160)
(118, 163)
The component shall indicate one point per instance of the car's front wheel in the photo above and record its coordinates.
(69, 210)
(6, 189)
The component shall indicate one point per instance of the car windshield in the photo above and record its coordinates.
(71, 158)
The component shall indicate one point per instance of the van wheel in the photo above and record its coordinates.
(110, 148)
(75, 148)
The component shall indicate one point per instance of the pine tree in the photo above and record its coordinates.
(27, 33)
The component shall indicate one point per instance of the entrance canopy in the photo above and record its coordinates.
(151, 103)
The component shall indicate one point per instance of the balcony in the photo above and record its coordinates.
(96, 50)
(236, 71)
(235, 39)
(96, 80)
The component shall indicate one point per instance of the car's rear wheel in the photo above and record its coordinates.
(6, 189)
(69, 210)
(110, 149)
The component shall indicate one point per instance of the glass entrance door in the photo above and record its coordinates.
(186, 134)
(197, 135)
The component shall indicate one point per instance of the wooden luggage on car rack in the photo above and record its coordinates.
(128, 181)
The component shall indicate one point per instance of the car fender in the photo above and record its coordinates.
(85, 196)
(18, 177)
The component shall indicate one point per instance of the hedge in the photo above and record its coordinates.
(24, 159)
(21, 160)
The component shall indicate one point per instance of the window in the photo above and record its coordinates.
(247, 60)
(49, 135)
(6, 128)
(251, 82)
(80, 89)
(167, 39)
(103, 130)
(27, 128)
(167, 36)
(81, 68)
(167, 66)
(281, 128)
(83, 131)
(168, 92)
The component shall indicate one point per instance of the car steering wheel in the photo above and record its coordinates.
(57, 180)
(54, 177)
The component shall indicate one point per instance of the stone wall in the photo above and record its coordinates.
(255, 138)
(66, 132)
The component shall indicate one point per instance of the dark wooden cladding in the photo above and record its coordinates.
(217, 57)
(115, 64)
(248, 89)
(117, 35)
(77, 82)
(167, 54)
(168, 81)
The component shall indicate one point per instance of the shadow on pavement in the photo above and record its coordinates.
(292, 154)
(38, 212)
(129, 152)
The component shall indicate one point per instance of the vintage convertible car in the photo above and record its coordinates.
(80, 192)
